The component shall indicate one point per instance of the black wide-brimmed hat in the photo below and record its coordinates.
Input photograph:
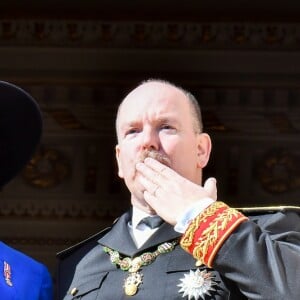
(20, 130)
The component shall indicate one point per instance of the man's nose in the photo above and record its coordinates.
(150, 140)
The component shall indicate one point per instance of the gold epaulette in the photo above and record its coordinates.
(268, 209)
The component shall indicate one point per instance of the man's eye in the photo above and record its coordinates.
(167, 127)
(131, 131)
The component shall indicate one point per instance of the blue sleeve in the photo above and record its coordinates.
(46, 292)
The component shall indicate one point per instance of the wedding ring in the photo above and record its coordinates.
(154, 192)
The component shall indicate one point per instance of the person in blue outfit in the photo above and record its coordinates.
(21, 277)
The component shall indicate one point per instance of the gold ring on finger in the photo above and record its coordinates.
(154, 192)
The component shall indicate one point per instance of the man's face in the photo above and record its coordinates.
(156, 120)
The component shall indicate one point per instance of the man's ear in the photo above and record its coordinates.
(204, 149)
(117, 149)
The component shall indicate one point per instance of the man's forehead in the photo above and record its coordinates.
(151, 85)
(155, 96)
(157, 92)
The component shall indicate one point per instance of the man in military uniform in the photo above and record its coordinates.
(204, 249)
(20, 130)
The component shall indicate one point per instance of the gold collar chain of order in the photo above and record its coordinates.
(133, 265)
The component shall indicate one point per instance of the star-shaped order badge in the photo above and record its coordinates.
(197, 284)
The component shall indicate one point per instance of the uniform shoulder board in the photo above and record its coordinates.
(94, 238)
(88, 242)
(268, 209)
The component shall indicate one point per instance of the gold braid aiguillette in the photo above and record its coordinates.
(133, 265)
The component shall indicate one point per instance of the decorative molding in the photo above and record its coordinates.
(55, 211)
(47, 169)
(133, 34)
(279, 171)
(224, 109)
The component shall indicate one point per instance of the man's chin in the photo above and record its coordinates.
(151, 211)
(139, 202)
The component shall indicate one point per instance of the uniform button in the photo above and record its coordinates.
(74, 291)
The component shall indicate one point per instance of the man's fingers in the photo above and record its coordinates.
(210, 186)
(159, 167)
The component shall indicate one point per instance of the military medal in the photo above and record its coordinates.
(133, 265)
(132, 283)
(197, 284)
